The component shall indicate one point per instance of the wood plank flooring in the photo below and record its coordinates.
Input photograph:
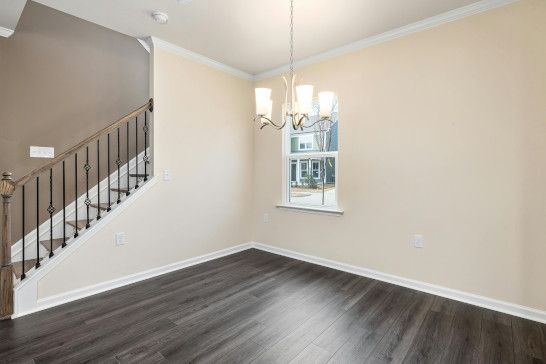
(256, 307)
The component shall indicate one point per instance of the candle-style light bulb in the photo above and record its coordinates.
(305, 98)
(263, 99)
(326, 102)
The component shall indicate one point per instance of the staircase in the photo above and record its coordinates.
(58, 202)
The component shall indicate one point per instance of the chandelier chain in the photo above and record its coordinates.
(291, 39)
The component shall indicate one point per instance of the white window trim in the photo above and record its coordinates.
(312, 142)
(335, 211)
(286, 156)
(306, 169)
(313, 162)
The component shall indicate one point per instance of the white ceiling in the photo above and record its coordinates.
(252, 35)
(10, 11)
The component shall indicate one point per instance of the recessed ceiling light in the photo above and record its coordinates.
(160, 17)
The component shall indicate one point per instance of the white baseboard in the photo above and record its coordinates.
(470, 298)
(56, 300)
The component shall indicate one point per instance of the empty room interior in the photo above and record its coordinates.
(273, 181)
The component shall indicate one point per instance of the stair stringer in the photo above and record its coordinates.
(26, 291)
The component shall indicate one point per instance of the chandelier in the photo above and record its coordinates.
(298, 100)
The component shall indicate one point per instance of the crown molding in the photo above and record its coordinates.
(199, 58)
(5, 32)
(144, 44)
(421, 25)
(452, 15)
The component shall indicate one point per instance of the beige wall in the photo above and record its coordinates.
(208, 204)
(442, 133)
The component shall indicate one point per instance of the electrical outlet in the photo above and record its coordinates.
(418, 241)
(265, 218)
(121, 239)
(167, 175)
(42, 152)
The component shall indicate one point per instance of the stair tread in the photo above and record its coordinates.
(102, 206)
(122, 189)
(57, 242)
(18, 267)
(80, 224)
(138, 175)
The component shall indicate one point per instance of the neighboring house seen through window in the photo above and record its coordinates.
(311, 158)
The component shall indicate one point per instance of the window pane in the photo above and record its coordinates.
(293, 171)
(317, 188)
(317, 135)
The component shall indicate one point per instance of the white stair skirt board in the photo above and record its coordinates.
(470, 298)
(26, 301)
(30, 238)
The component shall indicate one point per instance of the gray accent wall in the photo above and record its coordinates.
(64, 78)
(61, 80)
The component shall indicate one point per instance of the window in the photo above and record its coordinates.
(303, 169)
(310, 160)
(305, 142)
(293, 171)
(315, 170)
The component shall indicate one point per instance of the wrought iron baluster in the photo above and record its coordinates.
(37, 222)
(127, 193)
(23, 275)
(50, 210)
(136, 150)
(118, 163)
(64, 206)
(76, 192)
(108, 189)
(98, 180)
(145, 146)
(87, 201)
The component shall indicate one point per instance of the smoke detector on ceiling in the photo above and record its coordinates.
(160, 17)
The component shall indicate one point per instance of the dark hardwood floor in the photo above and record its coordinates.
(263, 308)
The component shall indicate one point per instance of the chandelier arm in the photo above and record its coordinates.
(268, 122)
(300, 122)
(318, 121)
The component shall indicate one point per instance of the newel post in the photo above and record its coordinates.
(7, 187)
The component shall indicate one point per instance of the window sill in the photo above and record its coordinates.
(333, 211)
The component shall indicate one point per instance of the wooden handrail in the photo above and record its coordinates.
(7, 189)
(147, 106)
